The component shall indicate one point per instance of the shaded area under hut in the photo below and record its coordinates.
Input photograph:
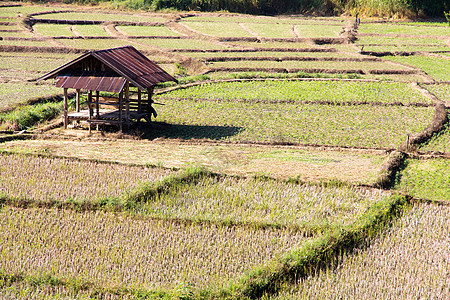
(124, 74)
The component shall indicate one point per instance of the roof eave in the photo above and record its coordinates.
(54, 73)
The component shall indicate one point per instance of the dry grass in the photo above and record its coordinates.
(276, 161)
(62, 179)
(264, 202)
(113, 251)
(409, 261)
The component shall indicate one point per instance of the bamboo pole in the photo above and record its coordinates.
(66, 109)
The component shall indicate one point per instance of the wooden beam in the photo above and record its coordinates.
(78, 100)
(66, 108)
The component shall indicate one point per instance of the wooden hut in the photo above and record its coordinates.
(120, 71)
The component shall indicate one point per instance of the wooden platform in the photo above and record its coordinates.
(105, 114)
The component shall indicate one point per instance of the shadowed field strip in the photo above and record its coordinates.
(280, 162)
(407, 261)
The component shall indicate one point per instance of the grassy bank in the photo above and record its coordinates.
(388, 8)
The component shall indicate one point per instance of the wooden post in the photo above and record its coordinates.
(90, 109)
(120, 110)
(78, 100)
(97, 106)
(150, 101)
(127, 103)
(139, 101)
(66, 108)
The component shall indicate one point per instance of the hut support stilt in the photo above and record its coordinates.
(66, 108)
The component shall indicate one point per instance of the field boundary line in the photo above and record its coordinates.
(440, 119)
(318, 253)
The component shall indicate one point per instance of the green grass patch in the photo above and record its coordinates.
(404, 48)
(400, 41)
(90, 30)
(32, 62)
(95, 16)
(14, 11)
(442, 91)
(389, 28)
(26, 43)
(53, 29)
(147, 31)
(429, 179)
(359, 126)
(14, 94)
(219, 29)
(438, 68)
(22, 33)
(440, 142)
(290, 45)
(28, 116)
(302, 91)
(93, 44)
(181, 44)
(272, 30)
(279, 54)
(357, 66)
(317, 31)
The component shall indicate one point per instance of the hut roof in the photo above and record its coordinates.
(108, 70)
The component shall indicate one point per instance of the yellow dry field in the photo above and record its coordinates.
(357, 166)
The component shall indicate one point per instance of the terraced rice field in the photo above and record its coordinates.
(237, 185)
(302, 91)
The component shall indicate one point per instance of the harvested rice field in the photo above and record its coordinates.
(408, 260)
(113, 251)
(69, 180)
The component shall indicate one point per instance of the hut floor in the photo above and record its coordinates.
(106, 115)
